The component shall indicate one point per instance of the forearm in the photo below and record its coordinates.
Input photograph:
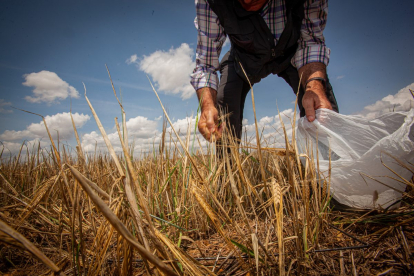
(312, 70)
(207, 97)
(315, 91)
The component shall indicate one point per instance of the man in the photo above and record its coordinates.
(283, 37)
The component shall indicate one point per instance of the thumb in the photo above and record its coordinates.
(310, 114)
(309, 110)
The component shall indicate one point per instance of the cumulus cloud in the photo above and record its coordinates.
(58, 124)
(272, 122)
(4, 105)
(266, 120)
(182, 125)
(402, 101)
(143, 133)
(92, 140)
(13, 148)
(48, 88)
(132, 59)
(142, 127)
(170, 70)
(141, 130)
(187, 126)
(271, 129)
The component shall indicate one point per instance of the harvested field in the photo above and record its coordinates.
(181, 210)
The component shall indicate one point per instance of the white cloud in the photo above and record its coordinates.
(340, 77)
(90, 140)
(48, 87)
(12, 135)
(13, 148)
(266, 120)
(181, 125)
(141, 127)
(141, 130)
(272, 123)
(143, 133)
(170, 70)
(132, 59)
(58, 123)
(402, 101)
(4, 105)
(270, 128)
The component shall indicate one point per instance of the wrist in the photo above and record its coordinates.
(207, 97)
(310, 71)
(315, 83)
(207, 105)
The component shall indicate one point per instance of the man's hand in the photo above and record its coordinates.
(315, 95)
(208, 124)
(314, 99)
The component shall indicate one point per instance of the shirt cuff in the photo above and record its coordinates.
(309, 54)
(201, 79)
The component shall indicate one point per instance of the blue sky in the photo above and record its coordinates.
(66, 43)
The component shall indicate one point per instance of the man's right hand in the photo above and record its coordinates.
(208, 124)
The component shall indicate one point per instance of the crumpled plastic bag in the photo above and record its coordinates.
(357, 147)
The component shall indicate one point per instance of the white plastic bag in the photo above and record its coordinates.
(357, 147)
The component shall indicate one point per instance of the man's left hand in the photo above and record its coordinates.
(315, 95)
(314, 98)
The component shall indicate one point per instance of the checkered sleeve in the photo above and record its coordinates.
(210, 40)
(312, 46)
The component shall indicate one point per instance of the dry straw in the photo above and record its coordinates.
(181, 210)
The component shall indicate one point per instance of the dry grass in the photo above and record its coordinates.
(177, 212)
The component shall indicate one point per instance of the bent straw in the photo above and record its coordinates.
(118, 225)
(56, 153)
(29, 246)
(105, 136)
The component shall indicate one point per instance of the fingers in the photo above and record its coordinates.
(312, 101)
(211, 121)
(219, 132)
(202, 127)
(207, 124)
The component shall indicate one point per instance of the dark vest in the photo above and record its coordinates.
(252, 43)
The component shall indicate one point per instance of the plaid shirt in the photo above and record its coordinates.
(211, 37)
